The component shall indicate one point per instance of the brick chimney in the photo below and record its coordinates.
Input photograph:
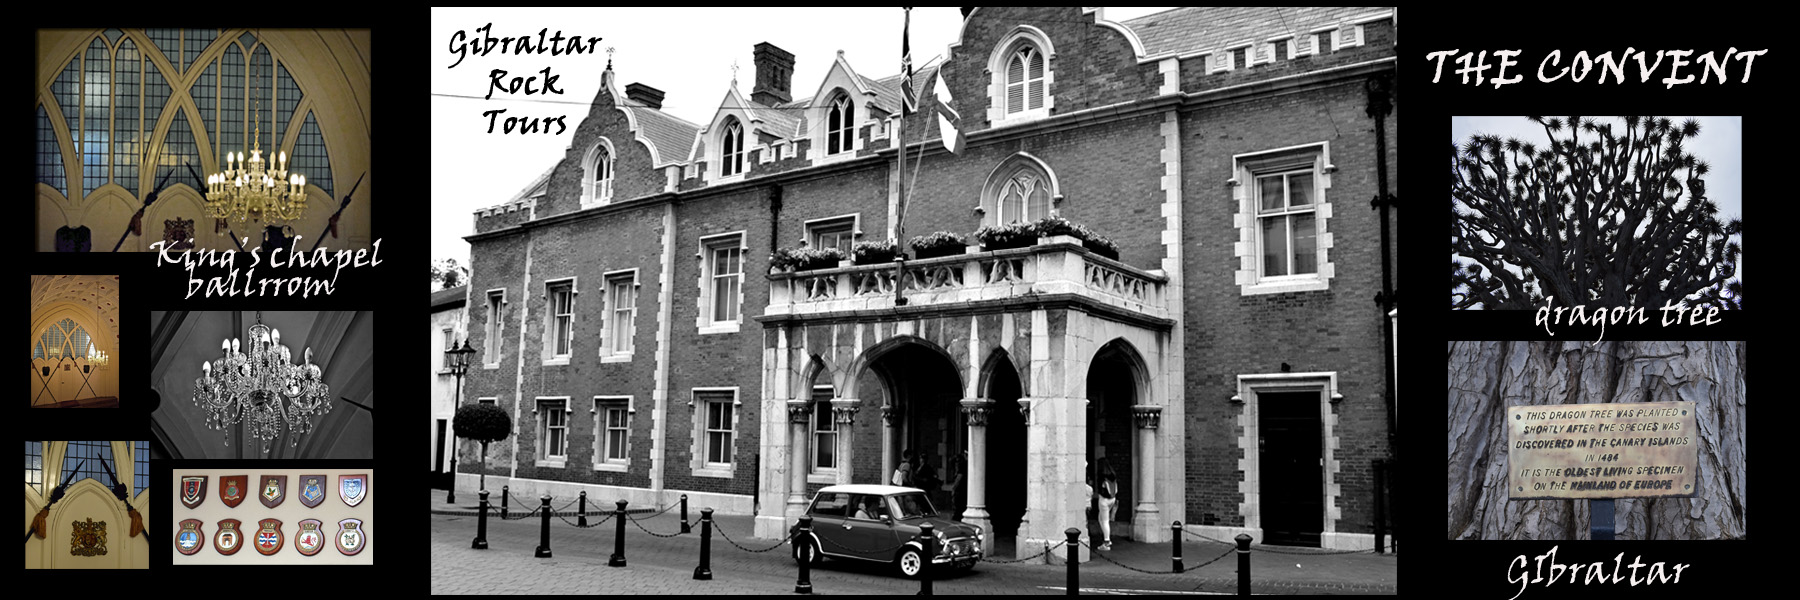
(774, 69)
(645, 95)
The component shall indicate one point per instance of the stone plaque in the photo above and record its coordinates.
(1632, 450)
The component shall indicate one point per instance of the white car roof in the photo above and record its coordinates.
(869, 489)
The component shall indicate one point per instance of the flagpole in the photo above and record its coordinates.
(900, 178)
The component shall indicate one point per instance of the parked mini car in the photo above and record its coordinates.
(881, 523)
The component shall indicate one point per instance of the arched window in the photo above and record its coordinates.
(1024, 196)
(64, 339)
(1025, 80)
(96, 125)
(840, 131)
(731, 153)
(597, 184)
(84, 460)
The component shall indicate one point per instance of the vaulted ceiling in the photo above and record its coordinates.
(342, 345)
(97, 292)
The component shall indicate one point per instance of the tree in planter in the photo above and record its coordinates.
(482, 423)
(1487, 377)
(1593, 218)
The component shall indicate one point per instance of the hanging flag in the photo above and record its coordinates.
(911, 104)
(949, 120)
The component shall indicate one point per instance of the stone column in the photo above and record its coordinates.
(843, 411)
(799, 413)
(1146, 519)
(975, 411)
(890, 418)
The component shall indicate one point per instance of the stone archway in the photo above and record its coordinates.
(1003, 482)
(922, 412)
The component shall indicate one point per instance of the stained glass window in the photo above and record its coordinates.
(205, 94)
(179, 149)
(125, 116)
(288, 94)
(156, 94)
(50, 158)
(310, 158)
(96, 107)
(84, 460)
(169, 42)
(231, 105)
(34, 465)
(140, 473)
(196, 41)
(68, 95)
(261, 99)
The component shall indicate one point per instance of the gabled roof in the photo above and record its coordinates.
(1196, 29)
(668, 134)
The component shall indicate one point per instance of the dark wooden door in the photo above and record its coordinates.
(1293, 482)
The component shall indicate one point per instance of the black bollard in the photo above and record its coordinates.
(450, 498)
(583, 509)
(925, 565)
(481, 525)
(1074, 560)
(684, 519)
(1243, 564)
(618, 557)
(1176, 529)
(543, 550)
(504, 494)
(704, 571)
(803, 549)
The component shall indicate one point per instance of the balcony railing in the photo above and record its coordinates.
(1056, 266)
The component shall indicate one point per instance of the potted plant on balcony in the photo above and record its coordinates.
(1011, 235)
(873, 253)
(1096, 243)
(942, 243)
(788, 260)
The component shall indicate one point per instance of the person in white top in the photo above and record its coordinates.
(1109, 502)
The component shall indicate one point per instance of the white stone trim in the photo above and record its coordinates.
(1247, 249)
(599, 461)
(541, 455)
(550, 357)
(1249, 387)
(703, 321)
(607, 353)
(996, 66)
(697, 461)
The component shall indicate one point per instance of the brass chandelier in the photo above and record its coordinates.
(256, 382)
(253, 191)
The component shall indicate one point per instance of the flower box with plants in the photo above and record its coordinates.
(934, 245)
(1011, 235)
(788, 260)
(872, 253)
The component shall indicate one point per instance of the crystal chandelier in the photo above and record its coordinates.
(251, 191)
(255, 382)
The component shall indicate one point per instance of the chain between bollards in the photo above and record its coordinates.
(618, 557)
(543, 550)
(804, 551)
(481, 526)
(704, 571)
(1243, 542)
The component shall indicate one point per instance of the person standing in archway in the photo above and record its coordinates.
(1109, 502)
(903, 473)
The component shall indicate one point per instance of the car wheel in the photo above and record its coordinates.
(812, 551)
(911, 562)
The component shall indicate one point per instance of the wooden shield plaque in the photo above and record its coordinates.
(312, 489)
(310, 540)
(232, 488)
(228, 539)
(268, 538)
(191, 538)
(1598, 451)
(274, 490)
(351, 537)
(193, 490)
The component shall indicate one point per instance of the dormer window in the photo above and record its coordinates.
(1024, 80)
(731, 153)
(840, 128)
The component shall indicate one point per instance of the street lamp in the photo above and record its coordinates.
(457, 361)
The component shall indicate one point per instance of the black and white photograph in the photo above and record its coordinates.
(880, 300)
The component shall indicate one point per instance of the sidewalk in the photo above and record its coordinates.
(1274, 569)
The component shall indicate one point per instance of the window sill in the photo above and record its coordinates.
(489, 366)
(624, 467)
(616, 358)
(553, 463)
(720, 471)
(558, 361)
(827, 477)
(726, 327)
(1282, 286)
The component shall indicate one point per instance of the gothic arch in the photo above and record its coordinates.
(1022, 163)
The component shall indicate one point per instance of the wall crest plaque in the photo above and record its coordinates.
(353, 488)
(351, 537)
(268, 539)
(231, 489)
(312, 489)
(193, 490)
(190, 538)
(310, 540)
(88, 539)
(228, 539)
(274, 490)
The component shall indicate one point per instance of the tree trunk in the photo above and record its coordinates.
(1487, 377)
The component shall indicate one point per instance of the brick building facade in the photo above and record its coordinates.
(1228, 364)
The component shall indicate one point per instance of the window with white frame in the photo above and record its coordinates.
(559, 325)
(1024, 79)
(718, 418)
(490, 354)
(824, 430)
(722, 280)
(621, 308)
(731, 150)
(1284, 211)
(597, 182)
(835, 232)
(840, 130)
(553, 431)
(1018, 191)
(488, 401)
(612, 437)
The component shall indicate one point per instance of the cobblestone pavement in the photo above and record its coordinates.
(658, 565)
